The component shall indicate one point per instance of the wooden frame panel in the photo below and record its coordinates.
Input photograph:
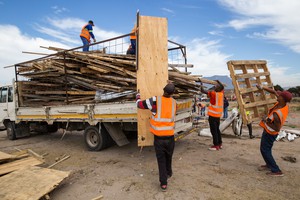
(152, 72)
(245, 75)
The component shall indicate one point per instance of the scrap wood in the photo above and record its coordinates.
(98, 197)
(17, 164)
(59, 161)
(30, 183)
(5, 156)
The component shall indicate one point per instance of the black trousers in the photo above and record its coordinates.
(164, 148)
(214, 123)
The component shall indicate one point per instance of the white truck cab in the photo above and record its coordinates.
(7, 105)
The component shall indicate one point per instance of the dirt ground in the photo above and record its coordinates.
(128, 173)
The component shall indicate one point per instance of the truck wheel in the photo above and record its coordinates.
(96, 141)
(11, 131)
(52, 128)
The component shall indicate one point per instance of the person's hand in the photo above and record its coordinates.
(94, 40)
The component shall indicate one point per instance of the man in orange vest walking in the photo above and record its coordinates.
(162, 126)
(86, 34)
(215, 111)
(272, 125)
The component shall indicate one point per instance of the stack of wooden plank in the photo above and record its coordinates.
(71, 77)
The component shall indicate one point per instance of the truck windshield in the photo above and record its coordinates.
(3, 95)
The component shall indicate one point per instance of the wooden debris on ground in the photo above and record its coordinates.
(31, 182)
(17, 162)
(71, 77)
(246, 74)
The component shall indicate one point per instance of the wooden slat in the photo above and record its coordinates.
(5, 156)
(17, 164)
(152, 73)
(30, 183)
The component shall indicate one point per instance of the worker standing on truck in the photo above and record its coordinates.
(133, 39)
(86, 34)
(215, 111)
(272, 125)
(162, 126)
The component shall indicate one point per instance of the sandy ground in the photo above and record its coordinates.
(128, 173)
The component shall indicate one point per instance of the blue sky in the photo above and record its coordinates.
(214, 31)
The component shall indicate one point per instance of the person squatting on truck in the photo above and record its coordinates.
(86, 34)
(162, 126)
(272, 125)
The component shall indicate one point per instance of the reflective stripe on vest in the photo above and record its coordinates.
(217, 109)
(282, 114)
(163, 122)
(85, 33)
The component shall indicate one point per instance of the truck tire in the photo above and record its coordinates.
(95, 140)
(11, 130)
(52, 128)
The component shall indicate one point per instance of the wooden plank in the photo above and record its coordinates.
(17, 164)
(152, 73)
(30, 183)
(5, 156)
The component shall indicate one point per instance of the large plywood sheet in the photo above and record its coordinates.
(245, 75)
(30, 183)
(152, 73)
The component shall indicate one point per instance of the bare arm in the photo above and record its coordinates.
(267, 89)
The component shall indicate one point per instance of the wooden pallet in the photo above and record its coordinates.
(245, 75)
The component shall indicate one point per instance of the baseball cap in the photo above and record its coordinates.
(286, 95)
(91, 22)
(169, 88)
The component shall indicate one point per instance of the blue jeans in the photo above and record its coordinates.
(133, 45)
(85, 44)
(225, 115)
(266, 145)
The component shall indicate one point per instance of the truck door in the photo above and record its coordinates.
(6, 104)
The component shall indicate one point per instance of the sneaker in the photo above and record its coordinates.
(252, 136)
(214, 148)
(275, 173)
(263, 168)
(163, 188)
(220, 146)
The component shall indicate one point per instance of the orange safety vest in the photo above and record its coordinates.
(282, 114)
(216, 110)
(163, 122)
(85, 33)
(133, 36)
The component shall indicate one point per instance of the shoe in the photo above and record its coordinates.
(163, 188)
(220, 146)
(263, 168)
(214, 148)
(252, 136)
(275, 173)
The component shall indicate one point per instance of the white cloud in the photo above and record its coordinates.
(207, 58)
(168, 10)
(58, 10)
(281, 75)
(14, 43)
(67, 30)
(279, 18)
